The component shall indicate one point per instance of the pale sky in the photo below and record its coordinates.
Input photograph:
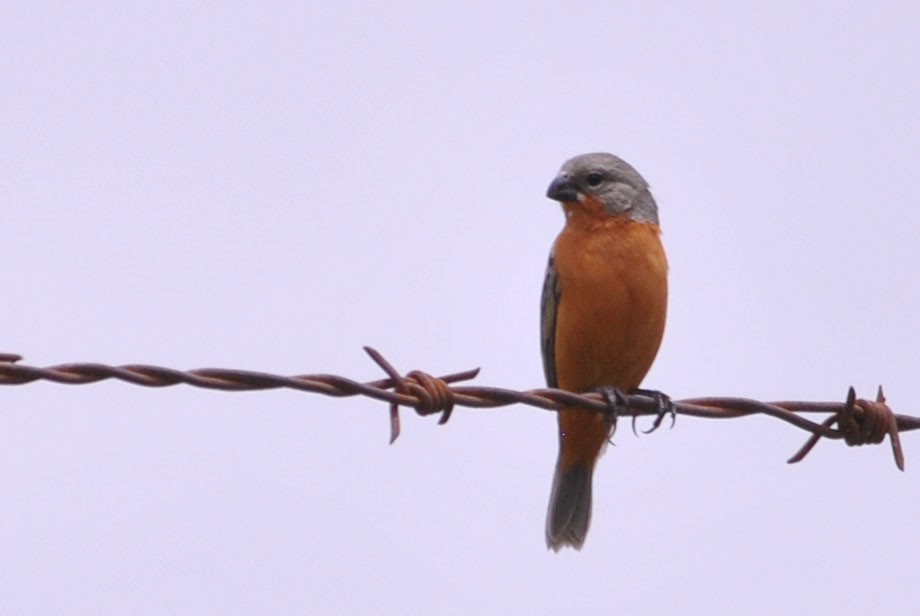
(270, 186)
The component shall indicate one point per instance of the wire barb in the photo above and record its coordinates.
(859, 422)
(432, 394)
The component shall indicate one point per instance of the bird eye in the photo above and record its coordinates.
(594, 179)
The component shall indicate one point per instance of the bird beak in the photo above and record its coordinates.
(562, 190)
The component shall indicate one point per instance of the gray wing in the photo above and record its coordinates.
(548, 304)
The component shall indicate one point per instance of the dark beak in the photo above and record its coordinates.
(562, 190)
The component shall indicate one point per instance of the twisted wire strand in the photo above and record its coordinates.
(859, 421)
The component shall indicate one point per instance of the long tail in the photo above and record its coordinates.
(569, 512)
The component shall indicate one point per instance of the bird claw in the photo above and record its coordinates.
(664, 405)
(615, 400)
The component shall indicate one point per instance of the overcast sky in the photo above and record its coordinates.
(271, 186)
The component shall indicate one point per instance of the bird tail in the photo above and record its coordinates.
(569, 512)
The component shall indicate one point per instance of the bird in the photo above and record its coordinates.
(603, 310)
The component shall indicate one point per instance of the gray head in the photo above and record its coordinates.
(610, 180)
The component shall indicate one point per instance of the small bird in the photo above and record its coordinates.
(602, 316)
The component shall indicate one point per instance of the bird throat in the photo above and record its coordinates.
(587, 213)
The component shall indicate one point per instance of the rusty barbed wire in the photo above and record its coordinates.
(859, 421)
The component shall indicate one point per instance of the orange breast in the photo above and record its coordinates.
(610, 319)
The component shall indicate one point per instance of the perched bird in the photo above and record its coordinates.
(603, 314)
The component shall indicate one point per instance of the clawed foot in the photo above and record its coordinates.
(615, 401)
(664, 405)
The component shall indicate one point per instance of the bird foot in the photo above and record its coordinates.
(664, 405)
(615, 401)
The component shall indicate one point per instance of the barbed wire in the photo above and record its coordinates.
(858, 421)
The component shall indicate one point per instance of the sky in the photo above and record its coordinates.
(271, 186)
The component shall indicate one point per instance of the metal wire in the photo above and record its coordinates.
(859, 422)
